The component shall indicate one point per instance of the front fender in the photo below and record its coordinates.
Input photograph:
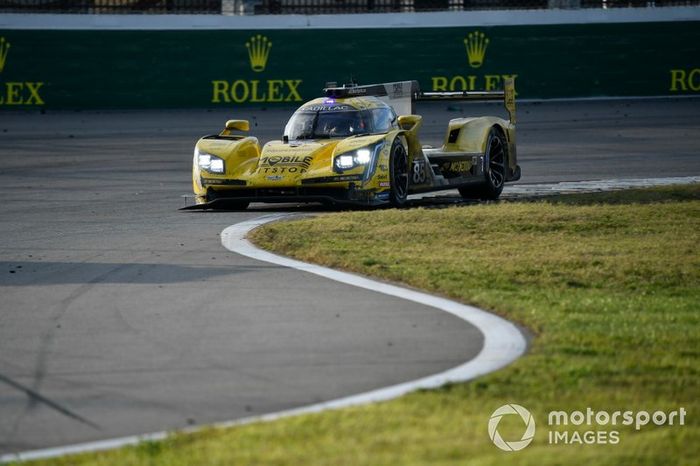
(240, 156)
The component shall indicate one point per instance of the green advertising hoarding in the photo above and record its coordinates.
(217, 68)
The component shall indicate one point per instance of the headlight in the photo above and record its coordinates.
(217, 165)
(363, 156)
(208, 162)
(356, 158)
(345, 161)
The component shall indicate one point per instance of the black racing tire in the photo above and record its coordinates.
(495, 167)
(398, 174)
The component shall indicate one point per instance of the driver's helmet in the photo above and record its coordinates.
(350, 123)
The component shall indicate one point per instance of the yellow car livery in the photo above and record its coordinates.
(358, 145)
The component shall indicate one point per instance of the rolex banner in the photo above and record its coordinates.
(222, 68)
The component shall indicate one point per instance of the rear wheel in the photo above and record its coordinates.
(495, 166)
(398, 174)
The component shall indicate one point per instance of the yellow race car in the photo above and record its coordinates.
(358, 145)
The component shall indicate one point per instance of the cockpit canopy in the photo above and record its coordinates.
(332, 119)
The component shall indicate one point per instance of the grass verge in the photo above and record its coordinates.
(608, 283)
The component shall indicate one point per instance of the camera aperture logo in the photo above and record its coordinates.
(584, 427)
(527, 418)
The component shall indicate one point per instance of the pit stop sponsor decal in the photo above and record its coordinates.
(279, 164)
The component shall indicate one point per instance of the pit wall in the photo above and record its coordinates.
(88, 62)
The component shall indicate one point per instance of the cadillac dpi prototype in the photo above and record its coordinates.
(359, 145)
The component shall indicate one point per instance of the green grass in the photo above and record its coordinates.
(609, 285)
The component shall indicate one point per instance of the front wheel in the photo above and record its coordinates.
(495, 166)
(398, 174)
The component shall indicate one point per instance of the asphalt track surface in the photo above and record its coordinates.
(120, 315)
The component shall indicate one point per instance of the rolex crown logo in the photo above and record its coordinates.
(258, 51)
(476, 43)
(4, 49)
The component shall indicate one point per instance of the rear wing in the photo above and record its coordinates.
(507, 95)
(401, 95)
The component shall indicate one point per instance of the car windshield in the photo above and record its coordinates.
(338, 122)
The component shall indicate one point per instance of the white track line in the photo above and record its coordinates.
(434, 19)
(529, 190)
(593, 186)
(503, 343)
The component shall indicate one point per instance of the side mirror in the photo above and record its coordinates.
(240, 125)
(408, 122)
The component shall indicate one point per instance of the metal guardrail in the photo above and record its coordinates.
(307, 6)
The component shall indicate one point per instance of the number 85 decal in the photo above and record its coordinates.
(418, 171)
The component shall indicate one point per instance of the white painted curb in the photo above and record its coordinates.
(503, 344)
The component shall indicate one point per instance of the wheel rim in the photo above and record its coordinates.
(400, 172)
(497, 165)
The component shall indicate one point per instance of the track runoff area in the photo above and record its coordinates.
(119, 257)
